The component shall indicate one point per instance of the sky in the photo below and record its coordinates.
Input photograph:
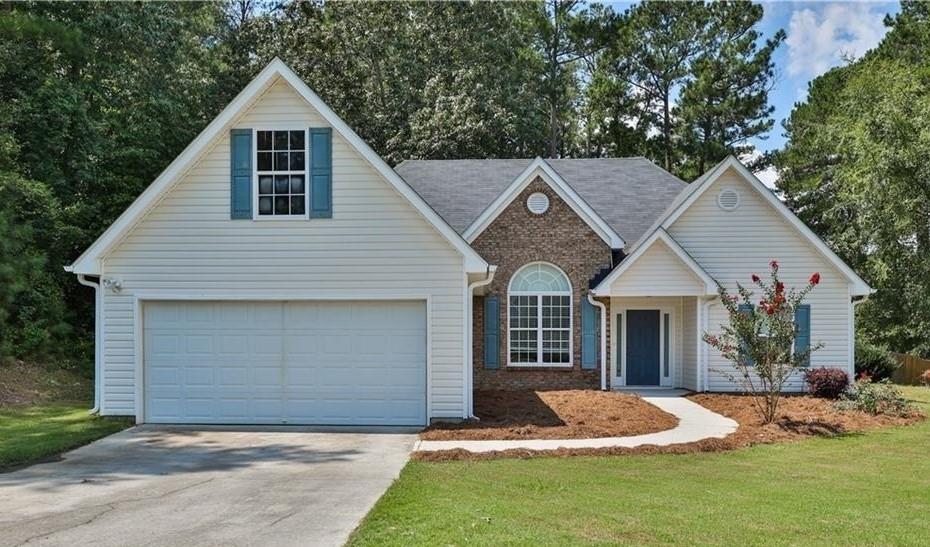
(820, 36)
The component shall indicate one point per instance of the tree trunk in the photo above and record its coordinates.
(666, 131)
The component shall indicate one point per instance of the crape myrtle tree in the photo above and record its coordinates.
(759, 339)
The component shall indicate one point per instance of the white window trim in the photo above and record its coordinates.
(672, 350)
(539, 336)
(305, 173)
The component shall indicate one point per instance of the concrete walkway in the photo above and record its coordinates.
(694, 424)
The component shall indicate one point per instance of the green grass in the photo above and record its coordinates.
(871, 488)
(32, 433)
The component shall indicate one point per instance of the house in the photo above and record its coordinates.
(280, 272)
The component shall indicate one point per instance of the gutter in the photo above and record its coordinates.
(603, 309)
(98, 337)
(470, 329)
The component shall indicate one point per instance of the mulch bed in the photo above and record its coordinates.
(571, 414)
(801, 417)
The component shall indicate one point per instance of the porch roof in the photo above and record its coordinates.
(658, 267)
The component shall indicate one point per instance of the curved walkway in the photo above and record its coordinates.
(695, 423)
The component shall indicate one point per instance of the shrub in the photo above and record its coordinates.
(874, 361)
(875, 398)
(758, 339)
(828, 383)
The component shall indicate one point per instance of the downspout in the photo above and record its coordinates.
(855, 301)
(98, 337)
(603, 309)
(705, 351)
(470, 372)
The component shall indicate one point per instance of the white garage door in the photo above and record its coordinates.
(327, 363)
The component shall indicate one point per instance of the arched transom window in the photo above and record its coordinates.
(540, 317)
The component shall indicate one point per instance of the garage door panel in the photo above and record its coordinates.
(285, 362)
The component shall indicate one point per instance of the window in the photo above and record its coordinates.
(281, 173)
(540, 317)
(666, 320)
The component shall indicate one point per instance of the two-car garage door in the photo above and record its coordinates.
(327, 363)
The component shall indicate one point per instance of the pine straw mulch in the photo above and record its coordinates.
(801, 417)
(570, 414)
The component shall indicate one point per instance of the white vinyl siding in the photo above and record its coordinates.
(732, 245)
(376, 245)
(658, 272)
(689, 346)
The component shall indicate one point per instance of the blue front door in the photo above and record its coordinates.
(642, 348)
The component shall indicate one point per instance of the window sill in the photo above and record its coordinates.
(282, 218)
(531, 366)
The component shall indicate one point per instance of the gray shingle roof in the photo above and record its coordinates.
(628, 193)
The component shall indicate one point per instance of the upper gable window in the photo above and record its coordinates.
(281, 173)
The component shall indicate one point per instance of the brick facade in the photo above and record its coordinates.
(518, 237)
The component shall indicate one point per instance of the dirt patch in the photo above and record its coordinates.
(28, 384)
(801, 417)
(569, 414)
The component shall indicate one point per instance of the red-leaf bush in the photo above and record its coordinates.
(827, 383)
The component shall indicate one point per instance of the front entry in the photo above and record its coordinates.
(642, 347)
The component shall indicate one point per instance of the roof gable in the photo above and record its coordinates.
(89, 261)
(539, 168)
(660, 252)
(702, 184)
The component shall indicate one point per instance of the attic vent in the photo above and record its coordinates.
(538, 203)
(728, 199)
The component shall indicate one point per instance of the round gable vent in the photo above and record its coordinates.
(728, 199)
(537, 203)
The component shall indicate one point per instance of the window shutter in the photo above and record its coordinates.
(321, 172)
(619, 343)
(588, 334)
(745, 309)
(802, 325)
(240, 190)
(492, 336)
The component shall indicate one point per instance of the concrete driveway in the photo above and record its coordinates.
(159, 486)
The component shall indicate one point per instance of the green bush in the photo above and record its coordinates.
(874, 361)
(876, 398)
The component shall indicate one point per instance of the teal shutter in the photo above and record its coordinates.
(492, 335)
(802, 325)
(321, 172)
(745, 309)
(240, 190)
(619, 343)
(588, 334)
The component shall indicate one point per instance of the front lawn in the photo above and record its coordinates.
(31, 433)
(43, 412)
(864, 488)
